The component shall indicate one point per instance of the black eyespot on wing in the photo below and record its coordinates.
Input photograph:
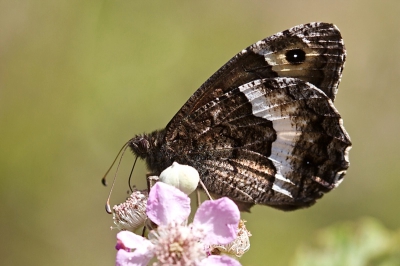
(296, 56)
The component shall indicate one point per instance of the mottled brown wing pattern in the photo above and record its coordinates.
(313, 52)
(278, 142)
(263, 128)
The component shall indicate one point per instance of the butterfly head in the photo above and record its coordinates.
(151, 148)
(140, 146)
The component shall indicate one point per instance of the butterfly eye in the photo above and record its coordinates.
(143, 145)
(296, 56)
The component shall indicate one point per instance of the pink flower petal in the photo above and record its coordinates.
(220, 219)
(142, 249)
(166, 204)
(219, 261)
(125, 258)
(130, 240)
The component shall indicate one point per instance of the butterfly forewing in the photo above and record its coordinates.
(275, 56)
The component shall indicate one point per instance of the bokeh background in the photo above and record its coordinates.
(79, 78)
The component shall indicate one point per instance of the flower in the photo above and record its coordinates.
(130, 215)
(174, 242)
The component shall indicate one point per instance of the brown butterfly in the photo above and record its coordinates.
(263, 129)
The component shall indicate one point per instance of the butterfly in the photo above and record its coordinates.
(263, 129)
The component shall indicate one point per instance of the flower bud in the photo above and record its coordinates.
(183, 177)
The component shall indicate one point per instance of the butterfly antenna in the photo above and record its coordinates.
(103, 180)
(130, 175)
(108, 207)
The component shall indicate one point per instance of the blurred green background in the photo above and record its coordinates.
(79, 78)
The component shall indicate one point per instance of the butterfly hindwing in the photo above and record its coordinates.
(276, 141)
